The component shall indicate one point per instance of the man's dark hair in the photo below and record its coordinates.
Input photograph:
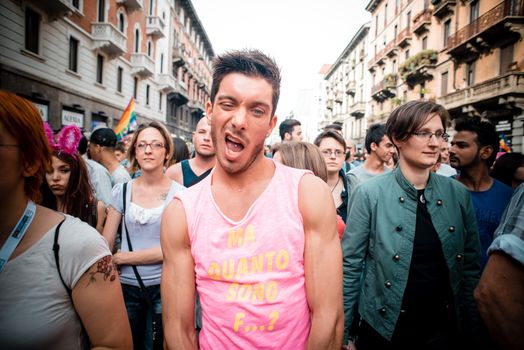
(374, 134)
(120, 146)
(287, 126)
(334, 126)
(486, 134)
(409, 117)
(251, 63)
(82, 145)
(330, 133)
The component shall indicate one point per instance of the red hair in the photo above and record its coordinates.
(22, 120)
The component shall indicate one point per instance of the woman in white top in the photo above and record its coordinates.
(45, 302)
(143, 202)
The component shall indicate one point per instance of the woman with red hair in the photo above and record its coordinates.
(58, 286)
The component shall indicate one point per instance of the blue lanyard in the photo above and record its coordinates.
(17, 234)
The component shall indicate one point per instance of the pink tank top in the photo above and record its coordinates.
(250, 273)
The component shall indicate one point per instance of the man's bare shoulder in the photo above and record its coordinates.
(174, 172)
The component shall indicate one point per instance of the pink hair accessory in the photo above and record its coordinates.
(68, 139)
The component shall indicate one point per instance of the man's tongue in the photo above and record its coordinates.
(233, 146)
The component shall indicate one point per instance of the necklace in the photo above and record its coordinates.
(335, 185)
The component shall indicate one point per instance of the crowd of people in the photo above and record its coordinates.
(140, 243)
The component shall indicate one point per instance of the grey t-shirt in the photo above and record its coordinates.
(100, 179)
(37, 312)
(363, 174)
(120, 175)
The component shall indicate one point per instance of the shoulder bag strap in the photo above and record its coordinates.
(56, 249)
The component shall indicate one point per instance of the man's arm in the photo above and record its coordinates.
(99, 302)
(174, 172)
(178, 280)
(322, 263)
(500, 300)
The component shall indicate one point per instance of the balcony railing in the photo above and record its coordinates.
(507, 8)
(155, 26)
(358, 109)
(421, 22)
(166, 82)
(339, 98)
(443, 7)
(142, 65)
(418, 68)
(391, 49)
(350, 87)
(510, 83)
(385, 89)
(404, 37)
(108, 38)
(54, 8)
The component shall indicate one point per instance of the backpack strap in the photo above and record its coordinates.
(56, 249)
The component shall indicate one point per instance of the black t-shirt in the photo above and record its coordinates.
(428, 280)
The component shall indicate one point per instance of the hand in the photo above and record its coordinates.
(118, 258)
(351, 346)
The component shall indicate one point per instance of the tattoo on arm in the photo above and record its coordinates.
(106, 268)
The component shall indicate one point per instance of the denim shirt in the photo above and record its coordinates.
(378, 245)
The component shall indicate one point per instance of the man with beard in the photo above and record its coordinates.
(380, 150)
(190, 171)
(264, 256)
(473, 151)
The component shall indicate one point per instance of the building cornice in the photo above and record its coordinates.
(190, 10)
(372, 6)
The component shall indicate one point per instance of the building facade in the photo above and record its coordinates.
(346, 83)
(82, 61)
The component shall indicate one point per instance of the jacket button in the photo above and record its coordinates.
(459, 257)
(388, 284)
(396, 257)
(401, 199)
(439, 201)
(382, 310)
(451, 229)
(398, 228)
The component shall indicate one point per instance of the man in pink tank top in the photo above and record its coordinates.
(257, 239)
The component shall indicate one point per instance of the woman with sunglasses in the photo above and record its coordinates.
(142, 201)
(58, 286)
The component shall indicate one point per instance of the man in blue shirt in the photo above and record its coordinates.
(473, 151)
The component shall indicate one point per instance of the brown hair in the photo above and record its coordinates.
(330, 133)
(302, 155)
(410, 116)
(251, 63)
(168, 143)
(22, 120)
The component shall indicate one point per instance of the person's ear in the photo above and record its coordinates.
(485, 152)
(209, 111)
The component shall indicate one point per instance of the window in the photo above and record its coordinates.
(473, 11)
(137, 40)
(385, 15)
(160, 97)
(447, 32)
(470, 73)
(405, 96)
(135, 87)
(407, 54)
(100, 69)
(147, 94)
(506, 58)
(395, 32)
(444, 84)
(101, 11)
(424, 43)
(32, 30)
(394, 66)
(73, 54)
(121, 22)
(149, 48)
(408, 20)
(161, 63)
(76, 4)
(151, 7)
(119, 76)
(376, 25)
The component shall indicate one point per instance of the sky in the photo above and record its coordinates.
(301, 35)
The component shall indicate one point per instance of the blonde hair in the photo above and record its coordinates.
(302, 155)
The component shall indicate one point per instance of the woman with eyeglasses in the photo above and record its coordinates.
(412, 258)
(58, 285)
(142, 201)
(333, 148)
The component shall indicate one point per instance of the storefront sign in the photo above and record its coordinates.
(44, 111)
(72, 118)
(503, 125)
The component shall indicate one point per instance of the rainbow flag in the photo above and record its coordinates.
(127, 120)
(503, 143)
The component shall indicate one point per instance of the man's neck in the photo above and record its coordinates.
(476, 178)
(12, 207)
(332, 179)
(110, 162)
(202, 164)
(260, 169)
(374, 165)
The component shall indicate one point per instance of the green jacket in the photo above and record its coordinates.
(378, 244)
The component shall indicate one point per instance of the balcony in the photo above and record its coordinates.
(179, 57)
(155, 26)
(391, 49)
(404, 38)
(351, 87)
(497, 27)
(422, 22)
(131, 4)
(108, 39)
(166, 82)
(419, 68)
(142, 65)
(339, 98)
(358, 109)
(54, 9)
(497, 96)
(385, 89)
(442, 8)
(329, 103)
